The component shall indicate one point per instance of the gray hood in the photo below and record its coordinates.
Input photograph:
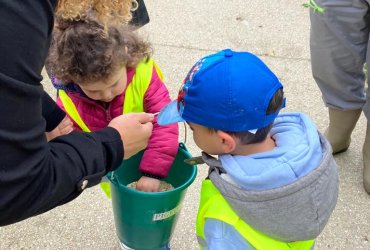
(294, 212)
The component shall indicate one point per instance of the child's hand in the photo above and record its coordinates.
(64, 127)
(148, 184)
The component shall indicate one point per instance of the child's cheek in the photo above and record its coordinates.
(198, 142)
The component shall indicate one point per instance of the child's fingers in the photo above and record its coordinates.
(67, 120)
(66, 130)
(66, 123)
(65, 126)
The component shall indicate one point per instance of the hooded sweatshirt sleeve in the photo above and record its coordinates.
(36, 176)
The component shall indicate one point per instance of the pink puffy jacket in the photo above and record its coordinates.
(162, 145)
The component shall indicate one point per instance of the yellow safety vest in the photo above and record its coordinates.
(134, 99)
(213, 205)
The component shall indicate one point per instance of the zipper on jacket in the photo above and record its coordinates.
(106, 107)
(107, 113)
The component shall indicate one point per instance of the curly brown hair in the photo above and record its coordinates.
(106, 10)
(85, 50)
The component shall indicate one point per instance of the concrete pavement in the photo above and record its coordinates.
(182, 32)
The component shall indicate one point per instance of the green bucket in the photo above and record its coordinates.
(146, 220)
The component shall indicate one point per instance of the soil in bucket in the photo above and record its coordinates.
(145, 220)
(164, 186)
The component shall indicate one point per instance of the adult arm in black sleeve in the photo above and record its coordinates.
(51, 112)
(140, 16)
(36, 176)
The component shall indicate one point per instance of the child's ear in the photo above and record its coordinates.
(228, 141)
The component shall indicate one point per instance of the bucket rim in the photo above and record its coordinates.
(180, 188)
(163, 193)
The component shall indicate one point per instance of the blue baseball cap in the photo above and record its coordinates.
(227, 91)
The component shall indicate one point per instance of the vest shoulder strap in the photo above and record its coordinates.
(72, 110)
(135, 91)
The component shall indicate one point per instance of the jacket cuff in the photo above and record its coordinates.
(53, 120)
(113, 147)
(51, 112)
(152, 176)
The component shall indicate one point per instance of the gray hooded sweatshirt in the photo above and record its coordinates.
(294, 207)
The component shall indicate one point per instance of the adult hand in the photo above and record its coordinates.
(135, 130)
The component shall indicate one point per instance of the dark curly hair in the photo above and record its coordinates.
(86, 50)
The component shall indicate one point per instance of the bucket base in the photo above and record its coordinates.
(124, 247)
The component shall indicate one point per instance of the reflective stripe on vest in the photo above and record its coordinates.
(213, 205)
(134, 100)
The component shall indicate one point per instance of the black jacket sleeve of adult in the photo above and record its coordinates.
(140, 16)
(51, 112)
(36, 176)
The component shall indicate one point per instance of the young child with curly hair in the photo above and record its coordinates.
(104, 70)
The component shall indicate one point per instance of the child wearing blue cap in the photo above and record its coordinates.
(274, 183)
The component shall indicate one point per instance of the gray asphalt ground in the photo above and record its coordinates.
(182, 32)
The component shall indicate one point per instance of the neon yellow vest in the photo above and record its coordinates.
(213, 205)
(134, 99)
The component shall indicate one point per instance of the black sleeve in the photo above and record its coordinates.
(51, 112)
(36, 176)
(140, 16)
